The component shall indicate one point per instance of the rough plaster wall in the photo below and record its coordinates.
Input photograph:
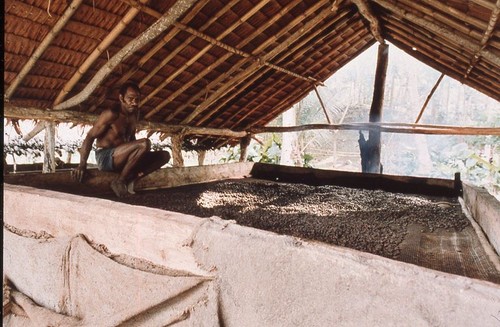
(67, 276)
(262, 279)
(269, 280)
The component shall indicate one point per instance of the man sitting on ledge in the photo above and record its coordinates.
(117, 148)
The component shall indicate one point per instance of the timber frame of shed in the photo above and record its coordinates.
(215, 72)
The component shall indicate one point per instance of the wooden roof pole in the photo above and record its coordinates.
(444, 31)
(292, 52)
(113, 34)
(486, 37)
(424, 54)
(157, 47)
(279, 106)
(213, 42)
(429, 98)
(42, 47)
(243, 75)
(181, 47)
(450, 23)
(179, 8)
(14, 112)
(222, 59)
(366, 11)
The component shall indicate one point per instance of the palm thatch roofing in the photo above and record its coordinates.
(226, 64)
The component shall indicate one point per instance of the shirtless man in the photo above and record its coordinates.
(117, 148)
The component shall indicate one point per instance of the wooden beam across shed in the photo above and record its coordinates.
(68, 116)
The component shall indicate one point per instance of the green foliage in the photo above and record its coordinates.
(34, 148)
(269, 152)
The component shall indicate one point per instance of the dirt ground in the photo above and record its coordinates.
(428, 231)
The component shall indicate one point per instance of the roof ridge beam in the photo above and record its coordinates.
(366, 11)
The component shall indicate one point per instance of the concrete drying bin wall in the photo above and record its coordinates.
(94, 262)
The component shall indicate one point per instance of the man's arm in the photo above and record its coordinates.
(97, 130)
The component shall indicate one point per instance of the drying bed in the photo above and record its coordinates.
(428, 231)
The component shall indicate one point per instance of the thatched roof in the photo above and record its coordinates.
(228, 64)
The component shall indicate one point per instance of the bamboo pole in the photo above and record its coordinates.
(240, 77)
(429, 98)
(80, 118)
(322, 105)
(179, 8)
(442, 30)
(157, 47)
(298, 50)
(222, 59)
(42, 47)
(366, 11)
(113, 34)
(216, 42)
(179, 48)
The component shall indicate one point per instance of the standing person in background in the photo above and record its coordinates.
(117, 148)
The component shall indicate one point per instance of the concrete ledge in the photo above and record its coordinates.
(262, 279)
(485, 209)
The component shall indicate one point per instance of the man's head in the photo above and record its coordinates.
(130, 96)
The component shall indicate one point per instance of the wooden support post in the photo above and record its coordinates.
(49, 147)
(370, 149)
(244, 142)
(178, 161)
(201, 157)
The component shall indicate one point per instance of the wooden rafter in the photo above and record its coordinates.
(256, 105)
(486, 37)
(157, 47)
(222, 59)
(113, 34)
(443, 30)
(178, 49)
(42, 47)
(239, 78)
(429, 98)
(367, 12)
(11, 111)
(179, 8)
(299, 49)
(281, 106)
(426, 53)
(212, 42)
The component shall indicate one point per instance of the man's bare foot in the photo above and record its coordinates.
(119, 188)
(130, 187)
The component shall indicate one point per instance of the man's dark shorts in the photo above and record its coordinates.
(104, 158)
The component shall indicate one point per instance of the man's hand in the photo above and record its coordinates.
(79, 173)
